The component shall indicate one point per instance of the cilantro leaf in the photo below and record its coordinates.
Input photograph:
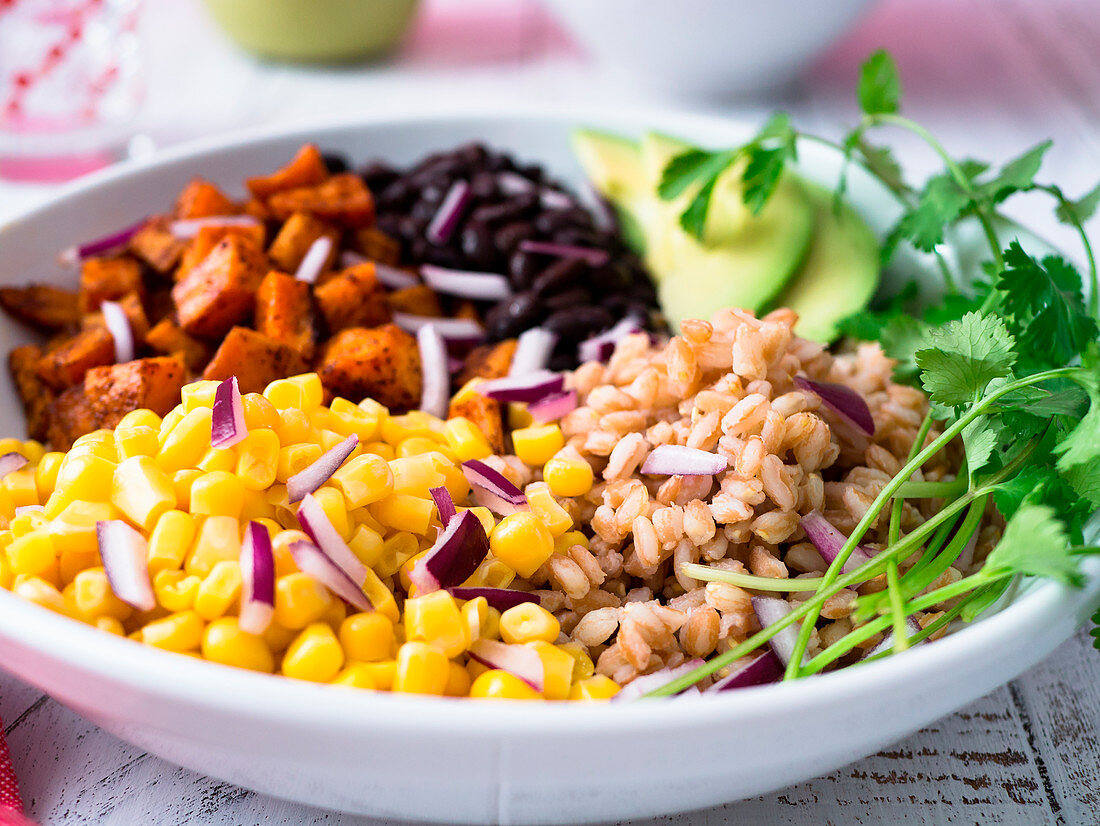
(692, 166)
(1079, 452)
(962, 357)
(941, 203)
(881, 163)
(694, 218)
(879, 85)
(983, 600)
(1080, 210)
(1015, 175)
(768, 154)
(1035, 542)
(981, 438)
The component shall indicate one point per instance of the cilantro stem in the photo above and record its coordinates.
(931, 490)
(754, 583)
(1094, 280)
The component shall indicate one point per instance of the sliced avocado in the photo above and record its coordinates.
(839, 274)
(613, 165)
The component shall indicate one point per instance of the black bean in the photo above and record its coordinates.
(433, 194)
(565, 360)
(576, 297)
(445, 257)
(477, 243)
(473, 154)
(397, 195)
(500, 163)
(483, 186)
(508, 237)
(559, 276)
(522, 268)
(576, 323)
(558, 219)
(511, 317)
(575, 237)
(336, 162)
(518, 206)
(424, 211)
(409, 228)
(532, 171)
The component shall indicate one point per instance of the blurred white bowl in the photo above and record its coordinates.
(707, 48)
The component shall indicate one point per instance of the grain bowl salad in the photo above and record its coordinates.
(456, 431)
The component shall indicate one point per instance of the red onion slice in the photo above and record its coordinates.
(118, 325)
(123, 551)
(842, 400)
(512, 183)
(769, 611)
(601, 210)
(446, 218)
(552, 408)
(763, 669)
(678, 460)
(227, 425)
(444, 504)
(435, 386)
(911, 625)
(455, 555)
(316, 524)
(492, 490)
(392, 277)
(828, 541)
(452, 329)
(592, 256)
(189, 228)
(500, 598)
(314, 260)
(10, 462)
(258, 575)
(310, 478)
(533, 349)
(73, 256)
(313, 562)
(531, 387)
(519, 660)
(640, 686)
(483, 286)
(600, 346)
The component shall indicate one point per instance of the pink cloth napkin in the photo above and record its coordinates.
(11, 804)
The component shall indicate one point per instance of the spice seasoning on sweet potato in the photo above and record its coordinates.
(307, 168)
(382, 363)
(255, 359)
(418, 300)
(483, 412)
(344, 199)
(352, 298)
(284, 312)
(107, 279)
(155, 244)
(201, 199)
(488, 361)
(221, 290)
(42, 305)
(168, 339)
(66, 364)
(149, 383)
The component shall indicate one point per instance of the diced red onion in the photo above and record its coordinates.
(600, 346)
(454, 365)
(842, 400)
(640, 686)
(512, 183)
(455, 555)
(500, 598)
(483, 286)
(124, 554)
(310, 478)
(316, 524)
(518, 660)
(966, 556)
(350, 258)
(394, 277)
(444, 504)
(435, 386)
(314, 260)
(313, 562)
(828, 541)
(762, 669)
(592, 256)
(22, 509)
(678, 460)
(911, 626)
(531, 387)
(452, 329)
(446, 218)
(190, 227)
(73, 256)
(10, 462)
(492, 490)
(533, 349)
(258, 575)
(552, 408)
(769, 611)
(118, 325)
(227, 425)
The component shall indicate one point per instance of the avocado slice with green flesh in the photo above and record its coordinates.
(839, 274)
(613, 165)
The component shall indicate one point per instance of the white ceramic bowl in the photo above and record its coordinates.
(707, 48)
(466, 761)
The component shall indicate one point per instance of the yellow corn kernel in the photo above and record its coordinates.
(347, 419)
(259, 412)
(522, 542)
(567, 540)
(421, 445)
(466, 440)
(357, 675)
(99, 443)
(110, 625)
(421, 669)
(45, 474)
(597, 687)
(367, 637)
(491, 573)
(281, 540)
(9, 444)
(330, 438)
(293, 459)
(181, 631)
(218, 493)
(380, 596)
(278, 639)
(37, 590)
(397, 549)
(32, 555)
(93, 596)
(26, 522)
(70, 563)
(476, 669)
(33, 450)
(435, 619)
(182, 480)
(21, 486)
(218, 458)
(81, 477)
(302, 391)
(140, 418)
(199, 394)
(501, 685)
(546, 507)
(519, 416)
(176, 590)
(336, 614)
(74, 529)
(300, 600)
(380, 449)
(475, 612)
(219, 590)
(7, 507)
(583, 667)
(365, 479)
(458, 681)
(293, 427)
(224, 642)
(219, 539)
(142, 491)
(381, 673)
(455, 481)
(136, 441)
(406, 569)
(528, 622)
(258, 459)
(332, 503)
(366, 544)
(256, 508)
(557, 670)
(170, 540)
(187, 442)
(314, 655)
(490, 628)
(169, 422)
(403, 512)
(415, 475)
(537, 444)
(567, 476)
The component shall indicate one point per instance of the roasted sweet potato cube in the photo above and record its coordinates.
(285, 313)
(255, 359)
(418, 300)
(107, 279)
(489, 361)
(295, 238)
(201, 199)
(307, 168)
(65, 364)
(23, 362)
(209, 237)
(343, 199)
(151, 383)
(157, 246)
(468, 310)
(70, 416)
(42, 306)
(378, 246)
(221, 289)
(168, 339)
(352, 298)
(483, 412)
(382, 363)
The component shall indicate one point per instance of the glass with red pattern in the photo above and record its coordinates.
(70, 85)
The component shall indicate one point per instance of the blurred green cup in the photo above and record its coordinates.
(315, 31)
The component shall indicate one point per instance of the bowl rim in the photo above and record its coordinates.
(171, 676)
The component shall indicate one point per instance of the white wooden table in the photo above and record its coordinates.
(991, 77)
